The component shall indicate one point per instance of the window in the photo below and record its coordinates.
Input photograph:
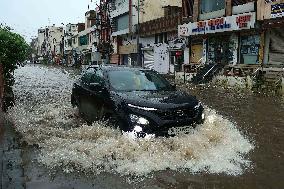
(86, 78)
(165, 37)
(128, 80)
(161, 38)
(250, 49)
(83, 40)
(122, 22)
(212, 5)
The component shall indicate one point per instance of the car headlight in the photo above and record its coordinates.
(203, 116)
(138, 120)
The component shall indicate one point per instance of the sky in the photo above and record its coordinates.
(27, 16)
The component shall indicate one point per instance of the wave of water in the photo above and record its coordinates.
(44, 117)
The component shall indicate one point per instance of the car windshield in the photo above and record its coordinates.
(137, 80)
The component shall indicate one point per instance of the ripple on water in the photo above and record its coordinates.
(44, 117)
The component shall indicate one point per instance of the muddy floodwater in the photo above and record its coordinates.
(240, 145)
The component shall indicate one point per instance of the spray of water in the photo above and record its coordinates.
(44, 117)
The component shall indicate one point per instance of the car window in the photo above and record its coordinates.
(137, 80)
(97, 77)
(92, 76)
(86, 78)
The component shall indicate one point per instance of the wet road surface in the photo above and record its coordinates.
(239, 146)
(262, 119)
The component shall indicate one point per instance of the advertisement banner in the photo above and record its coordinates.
(223, 24)
(277, 10)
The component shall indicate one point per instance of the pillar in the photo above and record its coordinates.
(229, 7)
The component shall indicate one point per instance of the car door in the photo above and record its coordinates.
(85, 104)
(97, 96)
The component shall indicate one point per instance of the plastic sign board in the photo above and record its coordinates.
(223, 24)
(277, 10)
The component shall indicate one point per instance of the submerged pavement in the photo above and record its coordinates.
(11, 165)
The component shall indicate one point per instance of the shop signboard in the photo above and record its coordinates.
(128, 49)
(183, 30)
(223, 24)
(277, 10)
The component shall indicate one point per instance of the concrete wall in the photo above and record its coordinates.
(283, 86)
(238, 83)
(121, 7)
(264, 9)
(1, 86)
(161, 58)
(153, 9)
(41, 39)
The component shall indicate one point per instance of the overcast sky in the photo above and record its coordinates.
(26, 16)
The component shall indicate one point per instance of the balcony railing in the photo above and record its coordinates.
(164, 24)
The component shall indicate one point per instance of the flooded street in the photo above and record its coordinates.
(240, 145)
(262, 119)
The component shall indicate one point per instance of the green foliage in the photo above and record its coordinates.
(13, 50)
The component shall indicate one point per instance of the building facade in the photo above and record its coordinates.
(124, 19)
(88, 40)
(161, 48)
(55, 42)
(222, 31)
(271, 17)
(104, 46)
(70, 31)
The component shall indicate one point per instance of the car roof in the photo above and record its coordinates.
(116, 67)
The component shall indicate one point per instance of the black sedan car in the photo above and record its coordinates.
(136, 100)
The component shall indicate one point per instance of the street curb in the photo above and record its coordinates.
(1, 146)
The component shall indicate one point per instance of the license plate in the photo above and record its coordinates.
(179, 130)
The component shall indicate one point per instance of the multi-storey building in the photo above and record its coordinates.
(75, 53)
(41, 43)
(88, 40)
(54, 45)
(103, 24)
(124, 18)
(70, 31)
(270, 14)
(222, 31)
(161, 48)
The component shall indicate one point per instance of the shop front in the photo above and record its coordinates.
(128, 54)
(271, 16)
(276, 46)
(196, 54)
(227, 40)
(176, 60)
(249, 49)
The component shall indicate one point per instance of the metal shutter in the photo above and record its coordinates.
(149, 59)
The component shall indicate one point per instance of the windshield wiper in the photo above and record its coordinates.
(146, 90)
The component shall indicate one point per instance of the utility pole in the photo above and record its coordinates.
(139, 63)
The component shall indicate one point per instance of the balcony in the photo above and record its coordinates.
(160, 25)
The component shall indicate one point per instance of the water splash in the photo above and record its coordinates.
(44, 117)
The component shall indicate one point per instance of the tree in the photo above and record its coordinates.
(13, 50)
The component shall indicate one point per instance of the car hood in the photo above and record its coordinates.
(159, 100)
